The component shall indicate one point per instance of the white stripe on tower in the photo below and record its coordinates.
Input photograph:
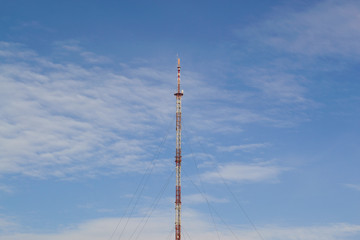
(178, 158)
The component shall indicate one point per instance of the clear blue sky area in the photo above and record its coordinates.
(270, 119)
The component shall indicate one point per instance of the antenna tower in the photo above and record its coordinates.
(178, 95)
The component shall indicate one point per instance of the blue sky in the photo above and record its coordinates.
(270, 119)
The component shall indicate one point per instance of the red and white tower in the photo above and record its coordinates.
(178, 95)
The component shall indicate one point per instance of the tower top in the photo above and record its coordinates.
(178, 93)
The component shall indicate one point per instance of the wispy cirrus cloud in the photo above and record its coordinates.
(202, 198)
(280, 87)
(297, 45)
(199, 227)
(322, 28)
(238, 172)
(6, 188)
(242, 147)
(326, 232)
(15, 50)
(7, 224)
(353, 186)
(74, 46)
(61, 119)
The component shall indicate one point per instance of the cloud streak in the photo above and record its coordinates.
(324, 28)
(353, 186)
(202, 198)
(61, 119)
(243, 147)
(238, 172)
(158, 228)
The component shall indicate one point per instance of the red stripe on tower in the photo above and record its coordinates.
(178, 95)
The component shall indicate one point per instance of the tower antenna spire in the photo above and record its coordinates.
(178, 95)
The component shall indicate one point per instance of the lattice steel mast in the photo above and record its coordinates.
(178, 95)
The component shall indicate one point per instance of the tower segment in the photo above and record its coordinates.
(178, 96)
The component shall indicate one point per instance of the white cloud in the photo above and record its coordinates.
(243, 147)
(202, 198)
(202, 160)
(297, 41)
(353, 186)
(271, 100)
(194, 226)
(329, 232)
(62, 119)
(34, 25)
(94, 58)
(15, 50)
(7, 224)
(69, 45)
(73, 46)
(286, 88)
(6, 188)
(236, 172)
(323, 28)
